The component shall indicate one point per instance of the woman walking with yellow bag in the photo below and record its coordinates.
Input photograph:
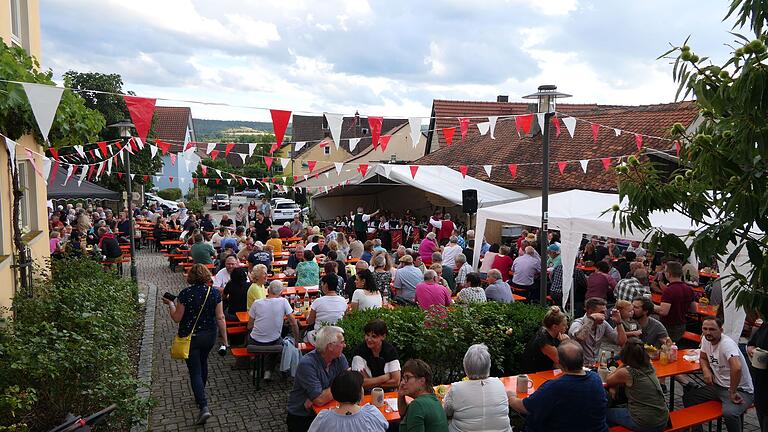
(199, 312)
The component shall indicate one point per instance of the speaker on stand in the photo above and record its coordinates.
(469, 204)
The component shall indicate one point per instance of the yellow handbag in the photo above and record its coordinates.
(180, 345)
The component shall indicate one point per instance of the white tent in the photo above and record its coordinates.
(578, 212)
(394, 188)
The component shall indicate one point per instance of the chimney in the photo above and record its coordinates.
(502, 98)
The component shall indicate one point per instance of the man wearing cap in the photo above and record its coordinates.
(554, 259)
(259, 256)
(406, 278)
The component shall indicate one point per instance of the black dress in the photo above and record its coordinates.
(760, 376)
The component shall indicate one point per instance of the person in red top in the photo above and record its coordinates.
(285, 231)
(600, 282)
(444, 227)
(676, 300)
(503, 262)
(521, 239)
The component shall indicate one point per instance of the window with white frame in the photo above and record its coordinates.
(28, 203)
(327, 150)
(16, 27)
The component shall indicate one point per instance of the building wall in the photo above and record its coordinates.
(30, 10)
(323, 160)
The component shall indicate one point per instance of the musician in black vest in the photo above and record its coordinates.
(361, 224)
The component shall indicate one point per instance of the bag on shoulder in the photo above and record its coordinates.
(180, 344)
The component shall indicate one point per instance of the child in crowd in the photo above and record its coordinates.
(631, 326)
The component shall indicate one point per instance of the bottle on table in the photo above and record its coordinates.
(306, 298)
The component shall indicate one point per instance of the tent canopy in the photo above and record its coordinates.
(86, 189)
(394, 186)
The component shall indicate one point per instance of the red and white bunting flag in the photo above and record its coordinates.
(540, 118)
(218, 181)
(120, 175)
(146, 178)
(164, 146)
(448, 135)
(512, 170)
(488, 169)
(152, 150)
(584, 163)
(595, 130)
(268, 161)
(463, 170)
(93, 155)
(299, 145)
(492, 122)
(561, 166)
(44, 100)
(103, 147)
(284, 162)
(205, 180)
(31, 159)
(242, 157)
(79, 150)
(374, 123)
(194, 180)
(570, 124)
(363, 168)
(214, 154)
(524, 122)
(556, 124)
(639, 141)
(251, 148)
(228, 148)
(413, 168)
(211, 147)
(173, 159)
(54, 153)
(463, 127)
(678, 147)
(311, 165)
(141, 110)
(617, 132)
(170, 179)
(353, 143)
(189, 145)
(204, 170)
(91, 171)
(334, 125)
(82, 176)
(483, 127)
(606, 163)
(55, 169)
(415, 125)
(338, 166)
(280, 121)
(384, 141)
(218, 172)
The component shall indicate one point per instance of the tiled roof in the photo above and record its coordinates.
(310, 128)
(170, 123)
(508, 147)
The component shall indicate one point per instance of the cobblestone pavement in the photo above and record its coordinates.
(234, 401)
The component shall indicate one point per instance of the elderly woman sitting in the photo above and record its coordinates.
(480, 403)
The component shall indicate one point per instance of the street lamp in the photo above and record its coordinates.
(124, 129)
(546, 96)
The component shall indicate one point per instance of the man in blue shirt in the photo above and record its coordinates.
(574, 402)
(407, 277)
(314, 375)
(497, 289)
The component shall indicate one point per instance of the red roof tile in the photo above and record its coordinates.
(310, 128)
(170, 124)
(508, 147)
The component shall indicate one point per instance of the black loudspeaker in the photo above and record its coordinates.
(469, 201)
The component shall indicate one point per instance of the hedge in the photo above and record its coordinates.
(67, 349)
(171, 194)
(441, 338)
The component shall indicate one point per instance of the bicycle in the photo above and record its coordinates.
(84, 424)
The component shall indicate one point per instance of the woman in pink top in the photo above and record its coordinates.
(427, 247)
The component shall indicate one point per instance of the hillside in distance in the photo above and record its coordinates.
(205, 128)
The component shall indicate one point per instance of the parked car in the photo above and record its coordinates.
(284, 210)
(252, 193)
(168, 206)
(221, 202)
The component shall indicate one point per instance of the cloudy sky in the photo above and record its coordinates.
(387, 58)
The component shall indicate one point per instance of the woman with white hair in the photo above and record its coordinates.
(427, 247)
(481, 402)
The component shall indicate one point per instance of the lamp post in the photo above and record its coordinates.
(546, 96)
(124, 129)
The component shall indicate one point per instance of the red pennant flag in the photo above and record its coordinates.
(639, 141)
(93, 155)
(384, 141)
(556, 123)
(606, 163)
(295, 179)
(274, 179)
(240, 180)
(414, 168)
(214, 154)
(164, 146)
(264, 179)
(54, 153)
(374, 123)
(678, 147)
(91, 170)
(363, 169)
(512, 170)
(524, 122)
(448, 135)
(173, 159)
(228, 148)
(146, 178)
(120, 175)
(268, 160)
(317, 175)
(280, 121)
(141, 110)
(218, 181)
(119, 145)
(463, 127)
(463, 169)
(561, 166)
(103, 147)
(170, 179)
(55, 170)
(189, 145)
(595, 129)
(311, 165)
(273, 148)
(133, 146)
(204, 170)
(194, 180)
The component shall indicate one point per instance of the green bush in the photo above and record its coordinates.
(441, 338)
(67, 349)
(172, 194)
(195, 205)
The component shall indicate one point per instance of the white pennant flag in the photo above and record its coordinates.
(211, 147)
(157, 178)
(109, 166)
(69, 174)
(617, 132)
(80, 151)
(229, 181)
(584, 163)
(242, 156)
(218, 172)
(46, 169)
(334, 124)
(353, 143)
(98, 153)
(415, 124)
(82, 176)
(251, 148)
(153, 150)
(488, 169)
(267, 185)
(205, 180)
(305, 177)
(326, 174)
(338, 166)
(299, 145)
(134, 176)
(570, 124)
(121, 156)
(139, 143)
(102, 167)
(326, 189)
(284, 162)
(44, 100)
(541, 119)
(492, 121)
(387, 170)
(483, 127)
(11, 144)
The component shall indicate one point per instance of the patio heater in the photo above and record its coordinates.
(546, 96)
(124, 129)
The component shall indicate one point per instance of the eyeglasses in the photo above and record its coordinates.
(406, 378)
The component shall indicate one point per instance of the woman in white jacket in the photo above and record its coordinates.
(481, 402)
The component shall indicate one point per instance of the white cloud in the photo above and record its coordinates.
(434, 59)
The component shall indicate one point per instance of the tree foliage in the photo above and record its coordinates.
(722, 179)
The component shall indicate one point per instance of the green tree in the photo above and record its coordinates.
(113, 109)
(722, 179)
